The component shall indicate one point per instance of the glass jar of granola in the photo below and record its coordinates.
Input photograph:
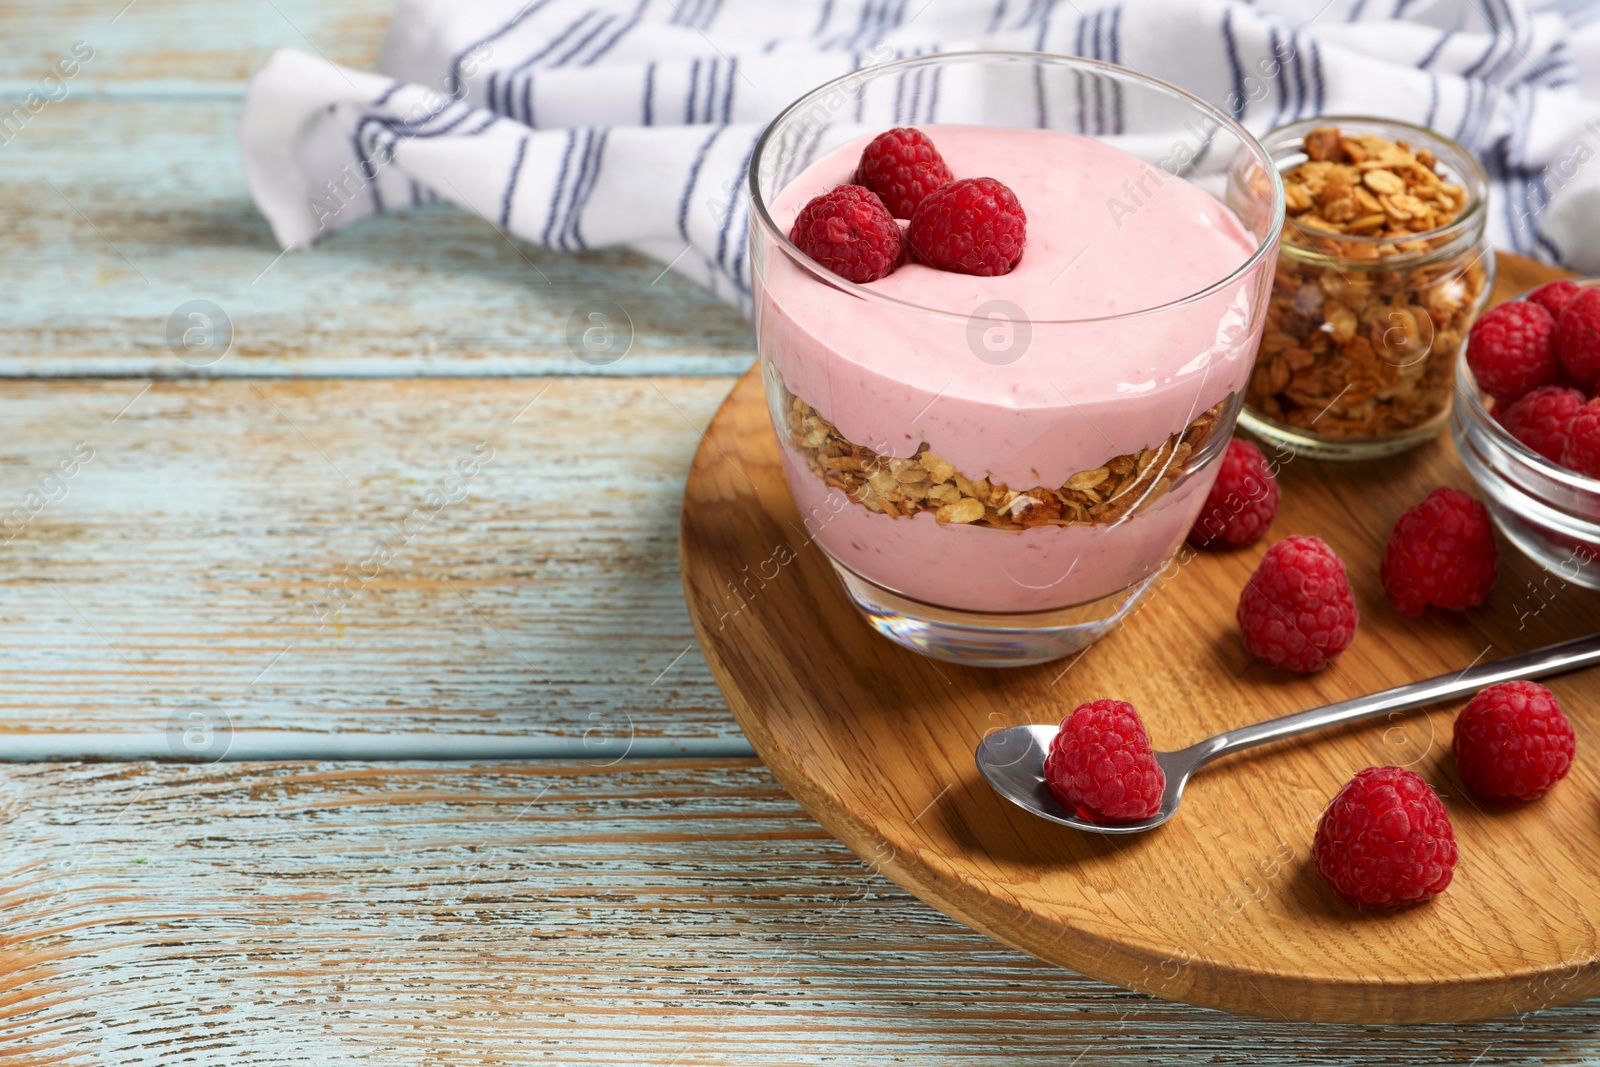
(1383, 267)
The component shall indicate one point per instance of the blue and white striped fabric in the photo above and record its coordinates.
(590, 123)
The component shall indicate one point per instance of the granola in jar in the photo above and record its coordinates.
(1382, 270)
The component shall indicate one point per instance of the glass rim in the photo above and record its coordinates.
(762, 216)
(1474, 179)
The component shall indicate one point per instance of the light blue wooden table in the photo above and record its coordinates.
(483, 805)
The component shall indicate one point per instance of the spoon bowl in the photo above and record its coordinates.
(1012, 759)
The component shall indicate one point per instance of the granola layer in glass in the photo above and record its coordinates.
(901, 488)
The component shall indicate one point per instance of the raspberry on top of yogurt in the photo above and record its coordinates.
(971, 226)
(850, 232)
(902, 166)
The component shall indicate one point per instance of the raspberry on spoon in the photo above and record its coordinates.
(902, 166)
(1100, 764)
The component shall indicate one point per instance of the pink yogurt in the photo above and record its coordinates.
(1024, 406)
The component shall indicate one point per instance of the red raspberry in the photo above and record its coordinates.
(1541, 419)
(1577, 339)
(1509, 350)
(1385, 840)
(1441, 552)
(973, 226)
(1582, 450)
(1512, 742)
(1555, 296)
(1297, 610)
(1101, 766)
(850, 232)
(1578, 551)
(1242, 502)
(902, 167)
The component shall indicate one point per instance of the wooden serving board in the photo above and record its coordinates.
(1221, 907)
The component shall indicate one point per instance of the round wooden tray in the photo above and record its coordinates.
(1221, 907)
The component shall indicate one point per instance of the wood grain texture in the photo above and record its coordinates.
(116, 212)
(152, 44)
(667, 913)
(126, 199)
(1221, 906)
(190, 558)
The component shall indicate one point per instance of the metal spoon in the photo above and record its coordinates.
(1012, 760)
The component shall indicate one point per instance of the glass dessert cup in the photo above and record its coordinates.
(999, 468)
(1550, 513)
(1358, 357)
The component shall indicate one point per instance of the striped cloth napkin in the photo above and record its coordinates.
(580, 124)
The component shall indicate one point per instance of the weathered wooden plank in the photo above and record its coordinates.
(119, 212)
(157, 40)
(680, 913)
(215, 542)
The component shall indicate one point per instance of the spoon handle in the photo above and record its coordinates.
(1540, 663)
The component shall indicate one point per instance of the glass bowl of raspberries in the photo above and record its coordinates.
(1527, 423)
